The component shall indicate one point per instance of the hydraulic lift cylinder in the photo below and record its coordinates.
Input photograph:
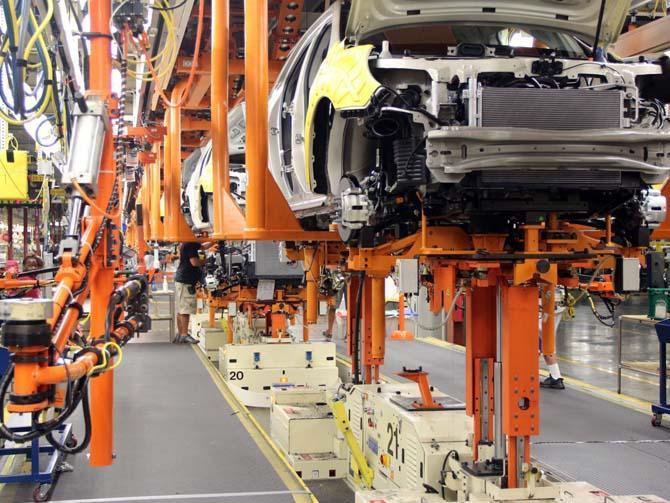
(378, 318)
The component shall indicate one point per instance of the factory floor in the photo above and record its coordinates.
(180, 438)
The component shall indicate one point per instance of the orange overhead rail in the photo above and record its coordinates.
(268, 215)
(228, 218)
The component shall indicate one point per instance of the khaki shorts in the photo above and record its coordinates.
(186, 302)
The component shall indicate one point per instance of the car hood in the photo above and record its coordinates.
(580, 17)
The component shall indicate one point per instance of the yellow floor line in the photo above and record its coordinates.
(607, 371)
(627, 401)
(442, 344)
(448, 345)
(269, 449)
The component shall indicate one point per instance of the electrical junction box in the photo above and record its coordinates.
(14, 175)
(408, 276)
(627, 275)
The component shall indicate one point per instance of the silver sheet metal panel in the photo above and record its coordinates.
(557, 109)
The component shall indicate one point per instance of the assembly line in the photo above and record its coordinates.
(340, 251)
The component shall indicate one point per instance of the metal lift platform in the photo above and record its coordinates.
(583, 437)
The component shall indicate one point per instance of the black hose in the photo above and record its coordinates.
(86, 409)
(357, 332)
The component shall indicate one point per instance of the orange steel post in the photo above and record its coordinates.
(157, 227)
(101, 274)
(256, 90)
(548, 293)
(176, 229)
(312, 269)
(228, 219)
(520, 386)
(268, 215)
(401, 333)
(378, 299)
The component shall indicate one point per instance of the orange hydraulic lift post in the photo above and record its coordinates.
(520, 370)
(268, 215)
(228, 219)
(102, 274)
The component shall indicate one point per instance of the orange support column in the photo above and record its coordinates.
(378, 301)
(548, 319)
(268, 215)
(401, 334)
(228, 219)
(101, 274)
(157, 228)
(520, 383)
(176, 229)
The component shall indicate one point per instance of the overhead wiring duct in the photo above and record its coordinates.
(165, 56)
(191, 76)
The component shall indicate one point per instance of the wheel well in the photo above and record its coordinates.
(323, 120)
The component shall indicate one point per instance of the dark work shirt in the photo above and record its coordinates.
(187, 273)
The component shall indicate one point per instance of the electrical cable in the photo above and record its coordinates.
(194, 64)
(86, 410)
(169, 8)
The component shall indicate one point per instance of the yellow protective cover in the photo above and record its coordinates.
(14, 175)
(345, 79)
(207, 178)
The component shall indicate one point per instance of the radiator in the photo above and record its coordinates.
(556, 178)
(560, 109)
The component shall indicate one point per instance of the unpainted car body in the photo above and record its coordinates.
(485, 117)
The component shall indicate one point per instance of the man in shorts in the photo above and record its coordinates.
(188, 275)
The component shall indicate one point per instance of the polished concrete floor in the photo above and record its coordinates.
(587, 350)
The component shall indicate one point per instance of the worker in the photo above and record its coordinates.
(187, 277)
(32, 263)
(555, 379)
